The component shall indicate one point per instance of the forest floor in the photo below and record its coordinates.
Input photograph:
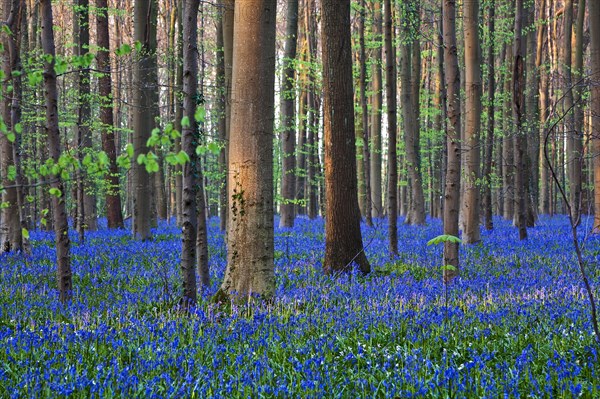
(516, 322)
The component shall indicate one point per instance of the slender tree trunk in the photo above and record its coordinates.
(113, 198)
(540, 60)
(59, 212)
(573, 157)
(313, 105)
(179, 115)
(376, 102)
(472, 234)
(390, 83)
(301, 150)
(227, 23)
(365, 161)
(86, 191)
(201, 195)
(410, 86)
(440, 119)
(343, 240)
(288, 133)
(222, 126)
(452, 190)
(594, 19)
(578, 122)
(507, 143)
(11, 238)
(489, 141)
(250, 257)
(520, 143)
(145, 15)
(189, 142)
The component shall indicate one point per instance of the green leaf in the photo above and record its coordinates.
(25, 233)
(129, 149)
(123, 161)
(123, 50)
(185, 122)
(183, 157)
(10, 136)
(141, 159)
(449, 267)
(12, 173)
(200, 114)
(444, 238)
(35, 78)
(18, 128)
(55, 192)
(138, 46)
(214, 147)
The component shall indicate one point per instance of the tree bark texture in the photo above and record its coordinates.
(343, 240)
(250, 257)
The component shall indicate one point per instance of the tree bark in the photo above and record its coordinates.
(578, 122)
(11, 237)
(489, 140)
(472, 234)
(114, 215)
(288, 133)
(390, 87)
(222, 124)
(518, 107)
(452, 189)
(59, 213)
(343, 240)
(410, 88)
(250, 257)
(86, 190)
(377, 210)
(144, 82)
(541, 55)
(594, 20)
(365, 161)
(189, 142)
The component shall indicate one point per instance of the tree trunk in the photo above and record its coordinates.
(376, 102)
(507, 143)
(250, 257)
(489, 140)
(11, 238)
(314, 107)
(452, 190)
(61, 227)
(365, 161)
(87, 196)
(113, 199)
(201, 195)
(540, 63)
(472, 234)
(189, 142)
(179, 116)
(343, 240)
(594, 19)
(390, 87)
(227, 23)
(410, 87)
(144, 82)
(518, 107)
(573, 157)
(578, 122)
(288, 133)
(222, 125)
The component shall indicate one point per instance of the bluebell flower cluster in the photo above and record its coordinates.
(516, 322)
